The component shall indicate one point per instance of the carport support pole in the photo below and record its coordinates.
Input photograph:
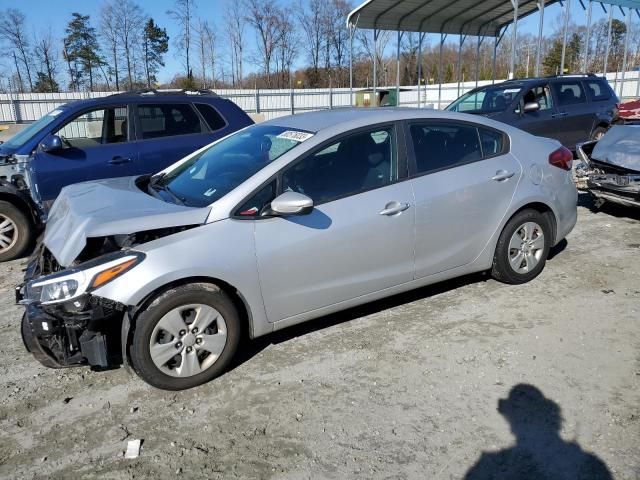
(480, 39)
(398, 70)
(420, 39)
(606, 54)
(375, 67)
(585, 63)
(351, 65)
(512, 66)
(540, 28)
(493, 67)
(626, 49)
(459, 67)
(442, 37)
(564, 35)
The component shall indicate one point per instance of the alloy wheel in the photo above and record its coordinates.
(8, 233)
(526, 247)
(188, 340)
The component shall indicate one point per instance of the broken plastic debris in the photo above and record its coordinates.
(133, 449)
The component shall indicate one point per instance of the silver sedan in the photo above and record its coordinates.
(283, 222)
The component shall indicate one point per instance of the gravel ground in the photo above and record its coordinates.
(409, 387)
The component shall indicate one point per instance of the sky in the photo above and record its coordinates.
(42, 14)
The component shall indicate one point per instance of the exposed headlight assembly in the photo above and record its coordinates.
(72, 283)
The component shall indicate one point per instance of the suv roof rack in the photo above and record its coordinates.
(167, 91)
(573, 75)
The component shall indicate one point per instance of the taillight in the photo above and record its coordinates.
(561, 158)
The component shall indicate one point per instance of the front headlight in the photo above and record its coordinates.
(72, 283)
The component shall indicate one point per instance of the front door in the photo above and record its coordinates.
(95, 145)
(357, 240)
(545, 122)
(464, 180)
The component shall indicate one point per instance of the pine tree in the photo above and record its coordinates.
(81, 49)
(156, 44)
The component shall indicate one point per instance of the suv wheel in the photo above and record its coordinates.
(522, 248)
(15, 232)
(598, 133)
(186, 337)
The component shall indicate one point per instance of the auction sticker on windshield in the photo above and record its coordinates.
(295, 135)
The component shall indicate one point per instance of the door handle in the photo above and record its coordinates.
(502, 175)
(561, 114)
(118, 160)
(392, 208)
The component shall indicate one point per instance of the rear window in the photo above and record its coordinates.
(213, 118)
(598, 91)
(166, 120)
(569, 93)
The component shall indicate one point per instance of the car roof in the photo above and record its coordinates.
(146, 97)
(350, 118)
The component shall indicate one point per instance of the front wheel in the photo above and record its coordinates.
(186, 337)
(15, 232)
(522, 248)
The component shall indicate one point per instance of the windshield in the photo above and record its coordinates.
(487, 100)
(25, 135)
(213, 173)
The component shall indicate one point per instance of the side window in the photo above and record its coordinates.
(492, 142)
(96, 127)
(356, 163)
(211, 116)
(540, 94)
(444, 145)
(256, 204)
(166, 120)
(569, 93)
(598, 91)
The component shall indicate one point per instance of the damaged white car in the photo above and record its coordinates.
(283, 222)
(610, 168)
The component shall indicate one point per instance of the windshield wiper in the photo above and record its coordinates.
(157, 186)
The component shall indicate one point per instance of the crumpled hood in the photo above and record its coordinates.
(109, 207)
(620, 146)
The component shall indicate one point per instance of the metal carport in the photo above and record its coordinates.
(479, 18)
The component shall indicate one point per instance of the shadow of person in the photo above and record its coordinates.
(539, 452)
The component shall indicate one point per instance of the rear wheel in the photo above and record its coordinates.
(186, 337)
(15, 232)
(522, 248)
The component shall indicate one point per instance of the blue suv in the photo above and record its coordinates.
(125, 134)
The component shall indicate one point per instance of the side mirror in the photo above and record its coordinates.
(51, 143)
(291, 203)
(531, 107)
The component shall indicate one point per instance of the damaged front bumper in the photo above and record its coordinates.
(84, 331)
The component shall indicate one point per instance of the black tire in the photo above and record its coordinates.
(597, 133)
(194, 293)
(502, 269)
(23, 231)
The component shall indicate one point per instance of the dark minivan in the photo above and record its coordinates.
(570, 108)
(119, 135)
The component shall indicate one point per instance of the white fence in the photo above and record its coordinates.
(27, 107)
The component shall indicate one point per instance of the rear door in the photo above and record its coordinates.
(95, 145)
(464, 179)
(575, 112)
(167, 132)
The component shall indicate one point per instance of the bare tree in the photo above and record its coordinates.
(375, 49)
(14, 31)
(182, 13)
(203, 33)
(109, 31)
(129, 30)
(286, 49)
(235, 24)
(312, 18)
(264, 16)
(210, 47)
(47, 57)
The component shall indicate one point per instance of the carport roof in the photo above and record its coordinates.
(465, 17)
